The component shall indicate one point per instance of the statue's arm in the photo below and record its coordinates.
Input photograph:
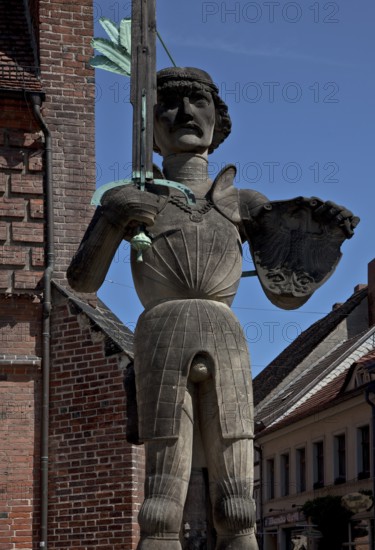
(250, 202)
(91, 262)
(122, 211)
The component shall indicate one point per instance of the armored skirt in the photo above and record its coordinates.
(167, 338)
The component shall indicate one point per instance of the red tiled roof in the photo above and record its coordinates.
(331, 394)
(302, 346)
(367, 360)
(18, 70)
(119, 336)
(316, 403)
(307, 379)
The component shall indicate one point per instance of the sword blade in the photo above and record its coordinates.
(143, 86)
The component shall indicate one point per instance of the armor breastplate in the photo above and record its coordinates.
(195, 253)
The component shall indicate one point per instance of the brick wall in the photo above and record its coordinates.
(96, 477)
(19, 455)
(20, 319)
(21, 199)
(65, 33)
(21, 271)
(66, 30)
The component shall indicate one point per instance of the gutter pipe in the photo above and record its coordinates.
(36, 102)
(259, 449)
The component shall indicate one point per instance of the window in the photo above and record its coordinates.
(363, 452)
(301, 469)
(270, 473)
(284, 474)
(340, 459)
(318, 462)
(361, 377)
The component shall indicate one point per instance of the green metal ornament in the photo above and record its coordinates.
(140, 242)
(116, 51)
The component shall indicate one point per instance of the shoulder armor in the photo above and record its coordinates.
(225, 196)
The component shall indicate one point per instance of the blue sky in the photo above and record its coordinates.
(299, 81)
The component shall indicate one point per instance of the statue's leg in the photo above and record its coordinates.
(230, 470)
(168, 465)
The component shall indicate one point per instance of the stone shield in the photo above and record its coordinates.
(295, 246)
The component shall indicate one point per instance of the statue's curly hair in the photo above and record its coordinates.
(189, 78)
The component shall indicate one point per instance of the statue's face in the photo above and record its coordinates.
(184, 122)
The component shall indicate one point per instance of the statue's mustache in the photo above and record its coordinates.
(188, 125)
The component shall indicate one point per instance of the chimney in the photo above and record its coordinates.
(371, 293)
(359, 287)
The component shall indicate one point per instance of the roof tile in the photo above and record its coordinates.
(18, 70)
(301, 347)
(119, 337)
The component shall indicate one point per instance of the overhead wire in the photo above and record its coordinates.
(241, 307)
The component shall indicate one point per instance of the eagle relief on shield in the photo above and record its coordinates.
(295, 246)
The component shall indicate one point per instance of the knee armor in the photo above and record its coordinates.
(234, 514)
(160, 516)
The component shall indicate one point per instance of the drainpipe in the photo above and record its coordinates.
(36, 102)
(370, 398)
(259, 449)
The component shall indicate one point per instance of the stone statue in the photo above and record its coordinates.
(192, 370)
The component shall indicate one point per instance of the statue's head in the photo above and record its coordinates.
(189, 115)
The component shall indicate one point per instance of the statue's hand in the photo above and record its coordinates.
(125, 204)
(331, 212)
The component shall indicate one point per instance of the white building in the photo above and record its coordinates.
(314, 426)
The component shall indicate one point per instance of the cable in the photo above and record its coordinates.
(239, 307)
(166, 49)
(119, 284)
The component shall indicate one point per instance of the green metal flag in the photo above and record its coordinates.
(116, 50)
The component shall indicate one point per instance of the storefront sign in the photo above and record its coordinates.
(291, 517)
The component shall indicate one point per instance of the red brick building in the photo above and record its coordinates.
(67, 476)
